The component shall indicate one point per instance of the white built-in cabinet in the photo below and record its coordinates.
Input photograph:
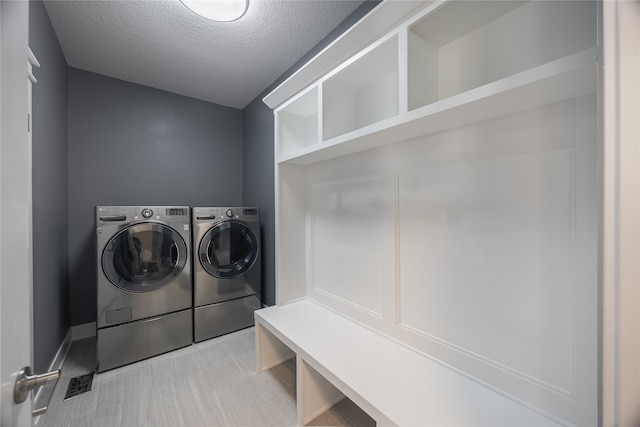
(443, 185)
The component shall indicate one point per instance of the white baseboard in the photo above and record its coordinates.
(86, 330)
(65, 345)
(43, 395)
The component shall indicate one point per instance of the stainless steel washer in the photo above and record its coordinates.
(226, 269)
(144, 305)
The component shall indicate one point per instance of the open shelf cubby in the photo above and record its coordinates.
(366, 91)
(491, 40)
(297, 126)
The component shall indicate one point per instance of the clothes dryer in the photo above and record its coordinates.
(144, 305)
(226, 269)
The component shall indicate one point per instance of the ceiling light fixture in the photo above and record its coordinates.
(218, 10)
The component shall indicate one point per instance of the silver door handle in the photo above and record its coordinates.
(25, 382)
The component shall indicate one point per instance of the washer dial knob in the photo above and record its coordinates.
(229, 213)
(147, 213)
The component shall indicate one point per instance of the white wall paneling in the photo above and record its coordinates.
(488, 246)
(451, 198)
(346, 242)
(478, 242)
(498, 254)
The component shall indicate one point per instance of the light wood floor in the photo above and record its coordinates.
(212, 383)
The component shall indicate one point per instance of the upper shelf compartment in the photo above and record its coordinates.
(364, 92)
(455, 63)
(558, 80)
(297, 123)
(467, 44)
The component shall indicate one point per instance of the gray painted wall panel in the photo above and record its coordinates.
(258, 180)
(258, 188)
(134, 145)
(49, 142)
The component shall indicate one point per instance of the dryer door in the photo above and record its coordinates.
(228, 250)
(144, 257)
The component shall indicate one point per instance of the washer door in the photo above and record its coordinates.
(144, 257)
(229, 249)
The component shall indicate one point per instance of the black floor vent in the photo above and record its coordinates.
(78, 385)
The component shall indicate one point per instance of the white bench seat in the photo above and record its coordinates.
(395, 385)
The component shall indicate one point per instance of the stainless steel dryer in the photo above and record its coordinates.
(144, 305)
(226, 269)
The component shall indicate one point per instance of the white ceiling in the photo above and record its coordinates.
(164, 45)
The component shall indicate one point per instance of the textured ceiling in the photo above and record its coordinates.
(164, 45)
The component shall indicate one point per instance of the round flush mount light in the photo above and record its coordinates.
(218, 10)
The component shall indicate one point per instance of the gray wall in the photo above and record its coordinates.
(258, 160)
(258, 184)
(109, 142)
(134, 145)
(49, 139)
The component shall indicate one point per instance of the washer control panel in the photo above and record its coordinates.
(108, 215)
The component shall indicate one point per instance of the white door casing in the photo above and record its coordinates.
(621, 214)
(15, 211)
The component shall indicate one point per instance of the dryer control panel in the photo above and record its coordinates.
(207, 214)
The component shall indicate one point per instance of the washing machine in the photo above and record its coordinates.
(144, 305)
(226, 269)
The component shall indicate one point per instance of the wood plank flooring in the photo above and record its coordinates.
(212, 383)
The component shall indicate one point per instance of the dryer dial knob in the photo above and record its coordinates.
(147, 213)
(229, 213)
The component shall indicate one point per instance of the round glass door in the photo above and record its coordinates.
(144, 257)
(228, 249)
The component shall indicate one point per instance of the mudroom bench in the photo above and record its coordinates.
(396, 386)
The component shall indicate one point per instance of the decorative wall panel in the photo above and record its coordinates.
(346, 241)
(489, 246)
